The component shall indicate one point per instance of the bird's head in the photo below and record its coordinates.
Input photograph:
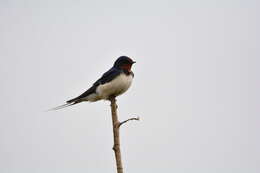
(124, 63)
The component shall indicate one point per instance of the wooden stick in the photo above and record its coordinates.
(116, 124)
(116, 134)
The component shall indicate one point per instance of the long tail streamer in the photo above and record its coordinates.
(62, 106)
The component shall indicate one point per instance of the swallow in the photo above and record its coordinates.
(112, 83)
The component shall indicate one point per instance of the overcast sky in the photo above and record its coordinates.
(196, 86)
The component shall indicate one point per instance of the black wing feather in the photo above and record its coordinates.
(106, 77)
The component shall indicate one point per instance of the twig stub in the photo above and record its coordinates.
(123, 122)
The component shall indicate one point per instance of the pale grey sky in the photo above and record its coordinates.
(196, 86)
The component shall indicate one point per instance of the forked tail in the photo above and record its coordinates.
(62, 106)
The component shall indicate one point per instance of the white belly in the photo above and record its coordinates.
(115, 87)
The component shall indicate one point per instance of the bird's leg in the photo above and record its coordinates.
(112, 99)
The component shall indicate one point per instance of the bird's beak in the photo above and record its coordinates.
(133, 62)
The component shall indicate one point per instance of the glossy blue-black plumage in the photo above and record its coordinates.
(106, 77)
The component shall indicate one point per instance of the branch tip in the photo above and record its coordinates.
(123, 122)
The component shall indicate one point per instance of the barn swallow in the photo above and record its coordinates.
(114, 82)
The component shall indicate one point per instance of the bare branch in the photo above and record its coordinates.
(116, 135)
(121, 123)
(116, 124)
